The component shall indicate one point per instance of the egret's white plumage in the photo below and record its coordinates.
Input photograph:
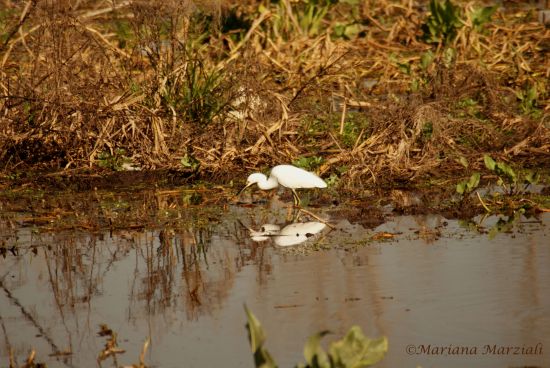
(288, 176)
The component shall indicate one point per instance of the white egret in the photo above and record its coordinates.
(288, 176)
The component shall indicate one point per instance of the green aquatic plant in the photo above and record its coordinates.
(311, 18)
(113, 161)
(353, 351)
(308, 163)
(197, 93)
(353, 25)
(302, 17)
(426, 59)
(347, 31)
(511, 181)
(482, 16)
(332, 180)
(443, 23)
(467, 186)
(528, 101)
(256, 336)
(189, 162)
(506, 224)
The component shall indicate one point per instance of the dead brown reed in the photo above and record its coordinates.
(173, 85)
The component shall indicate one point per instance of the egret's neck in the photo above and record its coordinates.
(268, 184)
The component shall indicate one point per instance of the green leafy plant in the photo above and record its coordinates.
(198, 96)
(305, 16)
(468, 186)
(468, 107)
(354, 24)
(347, 31)
(308, 163)
(481, 16)
(528, 100)
(332, 180)
(403, 66)
(512, 183)
(427, 131)
(353, 351)
(426, 59)
(507, 223)
(443, 23)
(350, 133)
(311, 17)
(113, 161)
(189, 162)
(256, 336)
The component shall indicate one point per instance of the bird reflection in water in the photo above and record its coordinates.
(292, 234)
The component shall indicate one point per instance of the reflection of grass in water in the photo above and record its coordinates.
(111, 350)
(105, 210)
(354, 350)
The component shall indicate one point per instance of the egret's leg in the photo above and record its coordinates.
(296, 214)
(290, 214)
(296, 198)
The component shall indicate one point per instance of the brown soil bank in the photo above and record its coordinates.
(365, 93)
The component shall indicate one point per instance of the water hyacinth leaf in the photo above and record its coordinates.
(426, 59)
(531, 94)
(480, 16)
(506, 170)
(355, 350)
(256, 335)
(489, 162)
(339, 29)
(404, 68)
(415, 85)
(463, 161)
(461, 187)
(346, 30)
(189, 161)
(352, 30)
(474, 181)
(308, 163)
(442, 23)
(314, 353)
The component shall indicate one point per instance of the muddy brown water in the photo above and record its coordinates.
(446, 293)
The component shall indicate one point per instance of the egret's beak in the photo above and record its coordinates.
(242, 190)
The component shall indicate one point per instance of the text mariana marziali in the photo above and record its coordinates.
(489, 349)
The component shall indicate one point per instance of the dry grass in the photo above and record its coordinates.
(168, 85)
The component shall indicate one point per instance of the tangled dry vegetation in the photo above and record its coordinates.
(364, 92)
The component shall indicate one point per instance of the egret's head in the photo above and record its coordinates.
(253, 179)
